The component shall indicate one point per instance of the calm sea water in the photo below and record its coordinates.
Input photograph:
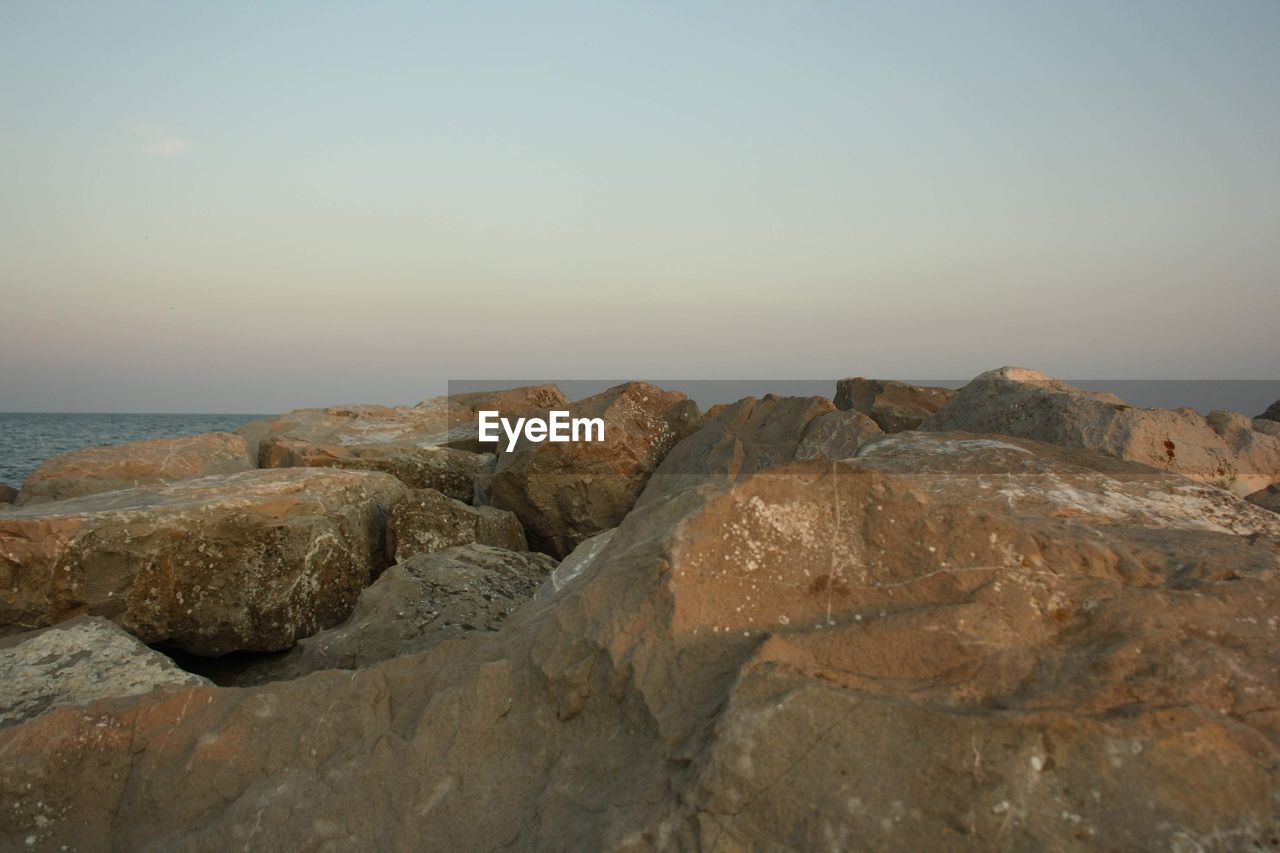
(29, 438)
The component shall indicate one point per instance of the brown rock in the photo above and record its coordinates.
(8, 494)
(428, 521)
(416, 604)
(566, 492)
(894, 406)
(138, 463)
(949, 642)
(1267, 427)
(745, 437)
(453, 472)
(1019, 402)
(241, 561)
(80, 661)
(449, 421)
(1268, 498)
(837, 435)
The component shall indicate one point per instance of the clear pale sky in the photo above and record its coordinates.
(256, 206)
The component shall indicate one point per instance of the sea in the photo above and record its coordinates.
(29, 438)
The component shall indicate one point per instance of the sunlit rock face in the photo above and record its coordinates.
(894, 406)
(138, 463)
(949, 641)
(1020, 402)
(248, 561)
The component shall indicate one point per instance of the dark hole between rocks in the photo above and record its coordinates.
(222, 671)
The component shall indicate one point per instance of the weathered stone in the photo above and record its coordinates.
(1272, 413)
(8, 494)
(836, 435)
(1267, 427)
(77, 662)
(448, 421)
(948, 642)
(453, 472)
(576, 564)
(417, 603)
(894, 406)
(566, 492)
(1019, 402)
(1268, 498)
(138, 463)
(248, 561)
(745, 437)
(427, 521)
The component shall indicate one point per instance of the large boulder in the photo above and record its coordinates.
(248, 561)
(445, 469)
(138, 463)
(80, 661)
(894, 406)
(836, 435)
(1019, 402)
(417, 603)
(1272, 413)
(743, 438)
(948, 642)
(427, 521)
(566, 492)
(448, 421)
(1268, 498)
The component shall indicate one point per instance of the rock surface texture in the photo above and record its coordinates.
(123, 466)
(248, 561)
(77, 662)
(444, 469)
(417, 603)
(894, 406)
(951, 641)
(1268, 498)
(427, 521)
(566, 492)
(836, 435)
(1019, 402)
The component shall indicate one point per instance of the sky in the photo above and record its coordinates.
(251, 207)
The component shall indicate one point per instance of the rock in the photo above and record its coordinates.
(8, 494)
(1268, 498)
(836, 435)
(1272, 413)
(123, 466)
(745, 437)
(80, 661)
(894, 406)
(427, 521)
(1019, 402)
(449, 421)
(566, 492)
(1267, 427)
(248, 561)
(576, 564)
(453, 472)
(948, 642)
(417, 603)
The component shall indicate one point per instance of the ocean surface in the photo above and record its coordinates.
(29, 438)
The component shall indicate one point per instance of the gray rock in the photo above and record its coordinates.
(8, 494)
(837, 435)
(426, 521)
(1272, 413)
(1019, 402)
(80, 661)
(894, 406)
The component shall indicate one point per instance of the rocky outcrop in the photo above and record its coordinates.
(427, 521)
(836, 435)
(77, 662)
(123, 466)
(444, 469)
(566, 492)
(8, 494)
(894, 406)
(1267, 427)
(743, 438)
(950, 641)
(448, 421)
(1268, 498)
(248, 561)
(1019, 402)
(417, 603)
(1272, 413)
